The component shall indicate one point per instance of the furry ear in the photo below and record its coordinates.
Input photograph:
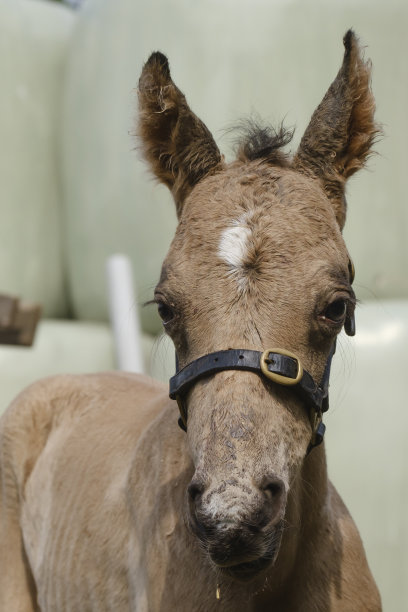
(342, 130)
(176, 143)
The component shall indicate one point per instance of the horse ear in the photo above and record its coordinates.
(176, 143)
(342, 130)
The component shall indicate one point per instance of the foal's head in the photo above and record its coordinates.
(258, 261)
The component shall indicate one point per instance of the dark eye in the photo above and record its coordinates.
(336, 311)
(165, 312)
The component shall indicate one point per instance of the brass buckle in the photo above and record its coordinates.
(278, 378)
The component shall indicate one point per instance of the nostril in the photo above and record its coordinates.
(274, 496)
(195, 490)
(273, 489)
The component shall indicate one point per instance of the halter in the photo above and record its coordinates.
(278, 366)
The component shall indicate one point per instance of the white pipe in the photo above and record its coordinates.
(124, 315)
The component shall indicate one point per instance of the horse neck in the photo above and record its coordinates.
(311, 487)
(306, 517)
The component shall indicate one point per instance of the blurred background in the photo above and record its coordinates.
(74, 192)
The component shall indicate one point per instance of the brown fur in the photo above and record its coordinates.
(177, 144)
(342, 130)
(105, 503)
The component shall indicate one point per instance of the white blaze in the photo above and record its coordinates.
(233, 248)
(233, 245)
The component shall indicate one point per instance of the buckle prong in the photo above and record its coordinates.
(279, 378)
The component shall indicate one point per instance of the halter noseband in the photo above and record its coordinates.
(276, 365)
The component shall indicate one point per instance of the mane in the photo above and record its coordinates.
(255, 139)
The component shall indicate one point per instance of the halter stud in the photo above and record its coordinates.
(278, 378)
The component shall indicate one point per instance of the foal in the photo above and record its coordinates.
(106, 504)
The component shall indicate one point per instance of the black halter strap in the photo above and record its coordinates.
(276, 365)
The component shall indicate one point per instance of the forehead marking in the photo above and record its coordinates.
(233, 248)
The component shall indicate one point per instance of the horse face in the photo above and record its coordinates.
(258, 262)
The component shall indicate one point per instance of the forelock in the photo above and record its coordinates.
(256, 140)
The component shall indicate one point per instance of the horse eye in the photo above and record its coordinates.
(165, 312)
(336, 311)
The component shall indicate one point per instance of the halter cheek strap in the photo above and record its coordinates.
(275, 365)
